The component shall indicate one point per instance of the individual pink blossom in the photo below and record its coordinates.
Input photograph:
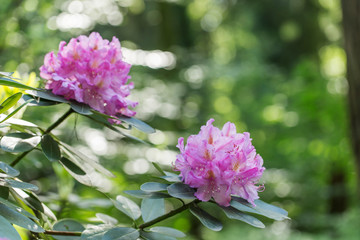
(90, 70)
(220, 163)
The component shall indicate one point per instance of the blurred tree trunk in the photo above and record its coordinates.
(351, 22)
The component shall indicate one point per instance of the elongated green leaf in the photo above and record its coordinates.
(137, 124)
(106, 219)
(158, 168)
(47, 94)
(7, 231)
(277, 212)
(36, 101)
(152, 208)
(85, 174)
(71, 166)
(15, 111)
(17, 184)
(77, 156)
(4, 192)
(17, 208)
(154, 187)
(181, 190)
(128, 207)
(96, 117)
(50, 148)
(18, 122)
(121, 233)
(68, 225)
(10, 102)
(171, 177)
(19, 219)
(7, 74)
(233, 213)
(155, 236)
(12, 83)
(95, 232)
(34, 202)
(8, 169)
(143, 194)
(81, 108)
(205, 218)
(168, 231)
(19, 142)
(261, 208)
(240, 205)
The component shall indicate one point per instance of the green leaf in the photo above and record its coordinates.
(261, 208)
(17, 209)
(233, 213)
(85, 174)
(152, 208)
(7, 74)
(101, 119)
(7, 231)
(155, 236)
(71, 167)
(8, 169)
(4, 192)
(36, 101)
(48, 95)
(34, 202)
(95, 232)
(9, 102)
(137, 124)
(128, 207)
(121, 233)
(275, 211)
(205, 218)
(158, 168)
(50, 148)
(19, 142)
(143, 194)
(81, 108)
(11, 83)
(17, 184)
(154, 187)
(68, 225)
(18, 122)
(19, 219)
(78, 157)
(171, 177)
(14, 112)
(181, 190)
(106, 219)
(168, 231)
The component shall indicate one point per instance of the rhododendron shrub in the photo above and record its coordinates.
(90, 70)
(219, 166)
(220, 163)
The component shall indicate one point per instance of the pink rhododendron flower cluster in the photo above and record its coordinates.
(90, 70)
(220, 163)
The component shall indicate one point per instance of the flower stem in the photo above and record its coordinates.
(59, 121)
(167, 215)
(48, 130)
(62, 233)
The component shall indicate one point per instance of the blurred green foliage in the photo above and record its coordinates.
(274, 68)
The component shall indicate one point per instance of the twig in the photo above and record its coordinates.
(48, 130)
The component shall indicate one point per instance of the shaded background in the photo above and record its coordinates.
(274, 68)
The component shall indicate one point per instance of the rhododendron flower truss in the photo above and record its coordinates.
(220, 163)
(90, 70)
